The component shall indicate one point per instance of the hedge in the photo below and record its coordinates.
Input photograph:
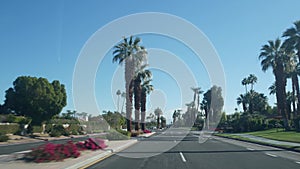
(9, 128)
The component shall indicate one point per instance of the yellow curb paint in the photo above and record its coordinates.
(94, 162)
(105, 157)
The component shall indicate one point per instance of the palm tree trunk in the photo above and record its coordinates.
(158, 121)
(129, 73)
(294, 86)
(143, 109)
(280, 82)
(137, 103)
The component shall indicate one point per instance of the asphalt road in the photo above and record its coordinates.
(175, 150)
(13, 148)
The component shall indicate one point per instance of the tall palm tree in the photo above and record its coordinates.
(118, 93)
(146, 89)
(252, 79)
(128, 51)
(242, 100)
(197, 91)
(273, 55)
(158, 112)
(292, 73)
(141, 75)
(293, 41)
(245, 82)
(123, 95)
(175, 116)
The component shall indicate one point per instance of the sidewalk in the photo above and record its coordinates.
(13, 161)
(265, 140)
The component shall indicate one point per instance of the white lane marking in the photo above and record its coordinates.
(298, 162)
(23, 152)
(251, 149)
(272, 155)
(182, 157)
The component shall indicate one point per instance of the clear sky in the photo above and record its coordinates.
(44, 39)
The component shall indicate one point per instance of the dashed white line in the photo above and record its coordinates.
(251, 149)
(272, 155)
(182, 157)
(298, 162)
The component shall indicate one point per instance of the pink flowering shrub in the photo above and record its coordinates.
(147, 131)
(92, 144)
(53, 152)
(59, 152)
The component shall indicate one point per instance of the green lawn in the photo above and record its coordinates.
(281, 135)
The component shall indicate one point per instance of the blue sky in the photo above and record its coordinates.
(44, 39)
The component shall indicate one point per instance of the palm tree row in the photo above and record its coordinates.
(137, 79)
(283, 58)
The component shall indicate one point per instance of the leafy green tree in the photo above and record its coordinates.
(114, 119)
(274, 55)
(129, 51)
(36, 98)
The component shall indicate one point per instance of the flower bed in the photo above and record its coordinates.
(59, 152)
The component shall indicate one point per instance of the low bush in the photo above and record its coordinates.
(115, 135)
(37, 129)
(3, 137)
(9, 128)
(58, 130)
(297, 123)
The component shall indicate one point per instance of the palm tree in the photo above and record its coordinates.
(158, 112)
(146, 89)
(123, 95)
(291, 72)
(197, 91)
(272, 89)
(242, 100)
(273, 55)
(175, 116)
(293, 41)
(118, 93)
(128, 51)
(245, 82)
(251, 80)
(141, 75)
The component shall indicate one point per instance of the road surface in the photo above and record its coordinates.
(185, 151)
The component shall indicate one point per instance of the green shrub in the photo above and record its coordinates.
(37, 129)
(9, 129)
(58, 130)
(297, 123)
(75, 129)
(114, 135)
(3, 137)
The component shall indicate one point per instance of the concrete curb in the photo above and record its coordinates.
(108, 152)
